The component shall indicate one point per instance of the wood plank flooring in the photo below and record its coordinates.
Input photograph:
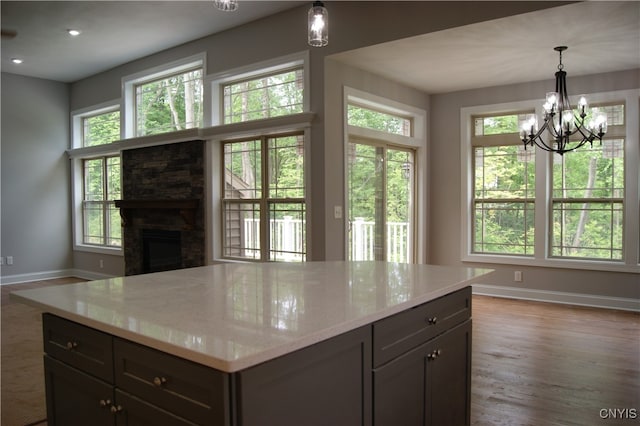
(549, 364)
(540, 363)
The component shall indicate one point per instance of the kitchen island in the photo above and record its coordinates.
(316, 343)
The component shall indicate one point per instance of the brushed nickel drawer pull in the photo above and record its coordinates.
(105, 402)
(432, 320)
(72, 345)
(159, 381)
(116, 409)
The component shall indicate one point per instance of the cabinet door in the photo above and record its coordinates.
(428, 386)
(448, 384)
(399, 390)
(75, 398)
(132, 411)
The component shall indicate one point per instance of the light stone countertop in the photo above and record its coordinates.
(236, 315)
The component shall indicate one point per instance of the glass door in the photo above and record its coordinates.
(380, 205)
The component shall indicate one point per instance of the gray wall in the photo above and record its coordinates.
(36, 200)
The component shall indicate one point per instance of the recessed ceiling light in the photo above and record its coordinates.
(73, 32)
(16, 60)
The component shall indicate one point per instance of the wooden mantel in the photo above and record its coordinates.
(186, 207)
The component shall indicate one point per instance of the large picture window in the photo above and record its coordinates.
(264, 213)
(538, 208)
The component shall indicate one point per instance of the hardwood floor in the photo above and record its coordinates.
(549, 364)
(541, 363)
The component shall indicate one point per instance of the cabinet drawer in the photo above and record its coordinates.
(80, 346)
(399, 333)
(195, 392)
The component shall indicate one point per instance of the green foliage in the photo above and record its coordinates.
(376, 120)
(170, 104)
(101, 129)
(264, 97)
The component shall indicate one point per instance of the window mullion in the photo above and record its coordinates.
(265, 213)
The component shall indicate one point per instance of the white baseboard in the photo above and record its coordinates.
(49, 275)
(579, 299)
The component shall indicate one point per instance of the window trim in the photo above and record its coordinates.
(542, 256)
(213, 110)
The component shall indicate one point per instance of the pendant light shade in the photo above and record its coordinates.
(226, 5)
(318, 25)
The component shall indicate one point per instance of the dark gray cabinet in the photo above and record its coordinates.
(93, 378)
(412, 368)
(427, 386)
(422, 364)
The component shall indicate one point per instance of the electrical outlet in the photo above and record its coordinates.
(101, 263)
(517, 276)
(9, 260)
(1, 260)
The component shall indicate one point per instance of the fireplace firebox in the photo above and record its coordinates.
(161, 250)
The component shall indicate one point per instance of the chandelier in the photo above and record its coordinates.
(318, 25)
(567, 129)
(226, 5)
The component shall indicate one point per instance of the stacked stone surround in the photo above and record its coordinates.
(164, 172)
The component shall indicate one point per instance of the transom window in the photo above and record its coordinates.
(378, 120)
(264, 96)
(169, 103)
(504, 187)
(101, 219)
(100, 129)
(264, 213)
(588, 197)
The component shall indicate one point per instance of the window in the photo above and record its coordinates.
(169, 103)
(265, 96)
(504, 187)
(377, 120)
(101, 219)
(96, 178)
(101, 128)
(533, 207)
(163, 99)
(588, 197)
(264, 216)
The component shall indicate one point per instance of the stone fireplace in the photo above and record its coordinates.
(162, 207)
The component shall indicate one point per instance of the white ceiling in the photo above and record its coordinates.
(113, 32)
(602, 37)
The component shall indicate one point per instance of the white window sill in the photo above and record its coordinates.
(592, 265)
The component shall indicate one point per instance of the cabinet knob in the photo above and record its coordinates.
(433, 355)
(72, 345)
(432, 320)
(105, 402)
(159, 381)
(115, 409)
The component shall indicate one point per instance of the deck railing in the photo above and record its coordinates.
(287, 239)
